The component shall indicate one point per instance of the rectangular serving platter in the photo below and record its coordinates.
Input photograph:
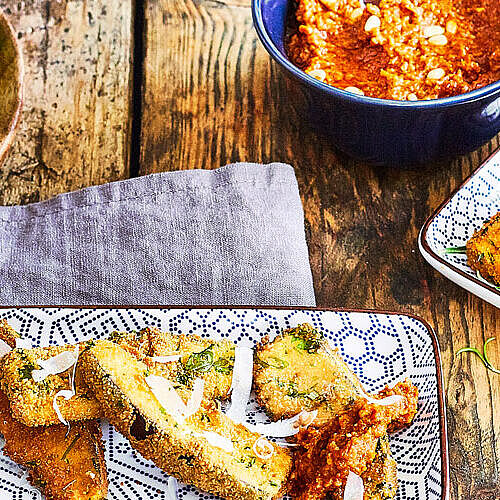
(381, 348)
(455, 221)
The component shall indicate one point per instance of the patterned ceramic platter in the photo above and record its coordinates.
(455, 221)
(380, 347)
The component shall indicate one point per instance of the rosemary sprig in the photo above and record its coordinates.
(459, 250)
(70, 447)
(483, 357)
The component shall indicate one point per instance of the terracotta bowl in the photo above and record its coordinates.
(11, 85)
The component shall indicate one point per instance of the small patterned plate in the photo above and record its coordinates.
(455, 221)
(380, 347)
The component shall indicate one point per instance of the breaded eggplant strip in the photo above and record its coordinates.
(65, 466)
(483, 250)
(180, 448)
(32, 402)
(211, 360)
(298, 371)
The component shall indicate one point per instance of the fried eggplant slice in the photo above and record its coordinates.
(380, 479)
(32, 402)
(483, 250)
(211, 360)
(186, 449)
(63, 466)
(298, 371)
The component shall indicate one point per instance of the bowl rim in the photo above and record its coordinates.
(468, 97)
(6, 141)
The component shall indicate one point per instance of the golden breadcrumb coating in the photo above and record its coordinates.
(483, 250)
(180, 449)
(63, 465)
(298, 371)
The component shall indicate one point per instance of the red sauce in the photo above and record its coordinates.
(399, 49)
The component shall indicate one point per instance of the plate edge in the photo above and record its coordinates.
(424, 245)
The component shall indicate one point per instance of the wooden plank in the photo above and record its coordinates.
(76, 124)
(212, 96)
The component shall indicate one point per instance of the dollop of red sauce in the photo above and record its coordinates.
(346, 443)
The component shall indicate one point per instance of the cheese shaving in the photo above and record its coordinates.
(53, 366)
(167, 396)
(354, 487)
(283, 428)
(196, 398)
(172, 489)
(4, 348)
(216, 440)
(166, 359)
(263, 448)
(241, 384)
(66, 394)
(389, 400)
(76, 354)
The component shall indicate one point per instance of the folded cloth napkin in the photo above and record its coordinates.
(229, 236)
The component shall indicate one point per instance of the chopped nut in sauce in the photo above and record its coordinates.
(399, 49)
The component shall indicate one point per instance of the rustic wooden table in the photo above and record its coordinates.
(116, 89)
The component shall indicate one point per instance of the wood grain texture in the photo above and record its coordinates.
(76, 123)
(212, 96)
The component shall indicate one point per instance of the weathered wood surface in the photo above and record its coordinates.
(76, 121)
(212, 96)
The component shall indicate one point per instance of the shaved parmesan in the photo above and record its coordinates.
(167, 396)
(216, 440)
(166, 359)
(241, 384)
(389, 400)
(172, 489)
(283, 428)
(263, 448)
(66, 394)
(76, 355)
(53, 366)
(354, 487)
(4, 348)
(194, 402)
(23, 344)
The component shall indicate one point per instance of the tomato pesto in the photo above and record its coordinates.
(398, 49)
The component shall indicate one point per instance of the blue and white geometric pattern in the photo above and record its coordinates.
(380, 348)
(466, 211)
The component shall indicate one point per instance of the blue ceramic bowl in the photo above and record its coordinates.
(381, 131)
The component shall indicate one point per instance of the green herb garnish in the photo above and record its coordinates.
(482, 356)
(459, 250)
(200, 362)
(70, 447)
(272, 362)
(309, 345)
(26, 370)
(223, 365)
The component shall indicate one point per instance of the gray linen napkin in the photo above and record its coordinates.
(229, 236)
